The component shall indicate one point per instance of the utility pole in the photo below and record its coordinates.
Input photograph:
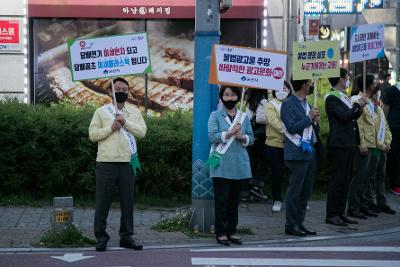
(291, 33)
(207, 33)
(397, 67)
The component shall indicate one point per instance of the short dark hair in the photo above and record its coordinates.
(234, 89)
(369, 80)
(255, 96)
(119, 79)
(298, 83)
(334, 80)
(288, 86)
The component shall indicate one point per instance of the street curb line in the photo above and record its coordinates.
(249, 243)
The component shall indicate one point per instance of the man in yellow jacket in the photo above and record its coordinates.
(372, 128)
(114, 128)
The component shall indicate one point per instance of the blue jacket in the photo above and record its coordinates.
(295, 119)
(235, 163)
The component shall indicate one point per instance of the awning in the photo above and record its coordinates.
(140, 9)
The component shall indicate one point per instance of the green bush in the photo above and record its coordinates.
(46, 151)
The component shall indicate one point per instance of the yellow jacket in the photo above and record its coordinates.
(367, 126)
(113, 146)
(274, 132)
(388, 135)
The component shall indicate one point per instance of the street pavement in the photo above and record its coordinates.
(373, 254)
(22, 227)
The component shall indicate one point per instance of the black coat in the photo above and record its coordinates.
(343, 129)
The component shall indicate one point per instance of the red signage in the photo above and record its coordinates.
(9, 31)
(145, 9)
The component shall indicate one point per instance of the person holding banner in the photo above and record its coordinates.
(115, 128)
(343, 140)
(301, 140)
(370, 133)
(275, 134)
(376, 137)
(229, 132)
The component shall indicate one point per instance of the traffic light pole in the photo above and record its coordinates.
(207, 33)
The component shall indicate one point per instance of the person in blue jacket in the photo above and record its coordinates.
(229, 132)
(300, 147)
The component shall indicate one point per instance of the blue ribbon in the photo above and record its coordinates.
(306, 146)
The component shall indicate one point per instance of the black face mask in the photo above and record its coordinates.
(230, 104)
(311, 90)
(121, 97)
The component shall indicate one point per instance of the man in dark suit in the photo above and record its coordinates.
(299, 155)
(343, 140)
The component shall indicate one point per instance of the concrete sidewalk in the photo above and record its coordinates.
(24, 226)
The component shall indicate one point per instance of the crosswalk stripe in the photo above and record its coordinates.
(293, 262)
(306, 249)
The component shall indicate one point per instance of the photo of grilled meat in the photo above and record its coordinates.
(169, 86)
(160, 96)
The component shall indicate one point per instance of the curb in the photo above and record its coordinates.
(205, 245)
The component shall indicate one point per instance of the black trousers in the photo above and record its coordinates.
(109, 174)
(359, 182)
(301, 181)
(226, 197)
(258, 162)
(342, 160)
(393, 161)
(276, 163)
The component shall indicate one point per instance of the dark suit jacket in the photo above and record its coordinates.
(343, 129)
(295, 119)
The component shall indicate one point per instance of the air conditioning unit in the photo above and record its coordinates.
(224, 5)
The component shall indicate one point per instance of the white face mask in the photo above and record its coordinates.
(281, 95)
(347, 84)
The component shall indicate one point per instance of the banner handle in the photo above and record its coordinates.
(113, 96)
(241, 102)
(364, 78)
(315, 93)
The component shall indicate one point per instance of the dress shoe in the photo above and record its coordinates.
(335, 221)
(130, 243)
(369, 213)
(374, 208)
(347, 219)
(235, 239)
(387, 209)
(356, 214)
(294, 231)
(101, 245)
(307, 231)
(225, 242)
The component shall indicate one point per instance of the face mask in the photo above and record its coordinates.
(311, 90)
(347, 85)
(121, 97)
(230, 104)
(281, 95)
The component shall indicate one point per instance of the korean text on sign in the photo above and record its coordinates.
(248, 67)
(109, 56)
(9, 31)
(366, 42)
(142, 10)
(313, 60)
